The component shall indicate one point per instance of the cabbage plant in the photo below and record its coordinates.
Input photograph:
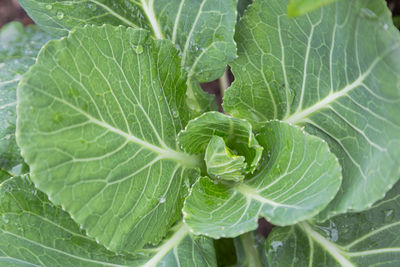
(113, 155)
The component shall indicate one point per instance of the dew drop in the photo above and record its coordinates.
(160, 98)
(276, 245)
(138, 49)
(175, 113)
(162, 199)
(386, 26)
(243, 68)
(5, 220)
(92, 6)
(60, 15)
(389, 215)
(49, 7)
(17, 169)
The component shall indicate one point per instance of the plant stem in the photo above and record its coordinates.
(250, 250)
(224, 82)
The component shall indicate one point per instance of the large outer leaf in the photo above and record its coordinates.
(97, 123)
(337, 72)
(370, 238)
(297, 180)
(202, 30)
(35, 232)
(18, 51)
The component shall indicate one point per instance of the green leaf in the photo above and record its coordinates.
(35, 232)
(369, 238)
(334, 71)
(98, 116)
(202, 30)
(198, 100)
(298, 178)
(302, 7)
(236, 133)
(4, 175)
(222, 163)
(250, 249)
(18, 50)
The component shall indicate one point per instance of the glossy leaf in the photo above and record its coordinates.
(18, 51)
(334, 71)
(237, 135)
(222, 163)
(35, 232)
(298, 178)
(369, 238)
(98, 116)
(202, 30)
(301, 7)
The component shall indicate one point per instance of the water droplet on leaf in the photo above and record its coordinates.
(138, 49)
(49, 7)
(60, 15)
(276, 245)
(5, 220)
(92, 6)
(175, 113)
(368, 13)
(162, 199)
(389, 215)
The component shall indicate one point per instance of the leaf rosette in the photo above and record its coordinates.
(281, 173)
(230, 147)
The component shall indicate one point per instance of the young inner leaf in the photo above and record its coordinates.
(222, 162)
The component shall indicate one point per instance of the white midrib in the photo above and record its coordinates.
(149, 11)
(327, 245)
(165, 152)
(250, 193)
(184, 53)
(115, 14)
(368, 235)
(9, 81)
(8, 105)
(19, 261)
(324, 103)
(172, 242)
(300, 116)
(178, 17)
(60, 251)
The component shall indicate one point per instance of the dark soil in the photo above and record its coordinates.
(11, 10)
